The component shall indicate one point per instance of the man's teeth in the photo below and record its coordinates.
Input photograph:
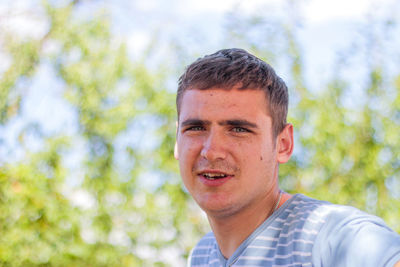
(213, 176)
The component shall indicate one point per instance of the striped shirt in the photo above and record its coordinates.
(308, 232)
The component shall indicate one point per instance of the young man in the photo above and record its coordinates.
(232, 135)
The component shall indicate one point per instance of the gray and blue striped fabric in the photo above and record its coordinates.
(308, 232)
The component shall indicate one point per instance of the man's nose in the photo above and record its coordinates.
(214, 147)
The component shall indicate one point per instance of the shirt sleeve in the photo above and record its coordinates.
(351, 237)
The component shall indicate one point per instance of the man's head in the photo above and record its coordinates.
(232, 132)
(229, 68)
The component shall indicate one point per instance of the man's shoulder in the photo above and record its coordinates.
(304, 205)
(342, 235)
(304, 215)
(303, 208)
(350, 237)
(332, 213)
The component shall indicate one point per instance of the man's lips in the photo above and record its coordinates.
(213, 177)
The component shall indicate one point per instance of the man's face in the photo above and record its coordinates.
(226, 150)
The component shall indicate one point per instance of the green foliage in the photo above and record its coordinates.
(108, 218)
(346, 151)
(100, 197)
(24, 56)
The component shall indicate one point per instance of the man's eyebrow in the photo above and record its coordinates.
(194, 122)
(239, 123)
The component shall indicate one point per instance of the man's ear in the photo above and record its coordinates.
(176, 155)
(285, 144)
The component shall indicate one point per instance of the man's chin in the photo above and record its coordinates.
(219, 210)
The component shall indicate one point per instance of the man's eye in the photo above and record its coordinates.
(195, 128)
(240, 130)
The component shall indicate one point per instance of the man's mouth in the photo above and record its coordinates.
(213, 176)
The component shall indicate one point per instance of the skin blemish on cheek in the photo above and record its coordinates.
(261, 158)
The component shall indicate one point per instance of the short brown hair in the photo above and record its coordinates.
(236, 67)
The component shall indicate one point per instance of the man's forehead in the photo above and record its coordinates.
(245, 100)
(223, 112)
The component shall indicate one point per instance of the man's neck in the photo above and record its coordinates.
(231, 231)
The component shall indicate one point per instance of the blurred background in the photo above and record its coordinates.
(87, 117)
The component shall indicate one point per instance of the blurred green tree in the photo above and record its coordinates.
(135, 212)
(125, 205)
(346, 150)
